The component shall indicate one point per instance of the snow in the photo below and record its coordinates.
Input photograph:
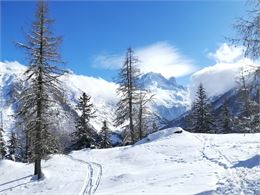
(63, 175)
(163, 163)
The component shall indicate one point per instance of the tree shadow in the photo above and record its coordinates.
(15, 180)
(249, 163)
(210, 192)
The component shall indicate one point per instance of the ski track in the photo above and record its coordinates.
(93, 178)
(236, 182)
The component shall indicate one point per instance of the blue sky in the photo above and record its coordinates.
(97, 34)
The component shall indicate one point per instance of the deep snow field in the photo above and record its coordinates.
(164, 163)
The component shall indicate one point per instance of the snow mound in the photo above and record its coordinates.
(163, 134)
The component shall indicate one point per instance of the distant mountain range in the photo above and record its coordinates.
(170, 100)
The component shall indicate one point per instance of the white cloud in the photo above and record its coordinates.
(227, 53)
(160, 57)
(222, 76)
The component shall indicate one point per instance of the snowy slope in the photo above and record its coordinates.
(163, 163)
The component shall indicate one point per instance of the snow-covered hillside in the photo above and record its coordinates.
(168, 103)
(163, 163)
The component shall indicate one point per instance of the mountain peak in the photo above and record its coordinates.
(152, 79)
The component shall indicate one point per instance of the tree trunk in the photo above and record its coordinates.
(140, 122)
(38, 146)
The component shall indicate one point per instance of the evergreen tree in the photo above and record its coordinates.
(104, 134)
(226, 120)
(154, 127)
(128, 92)
(2, 145)
(202, 120)
(13, 147)
(39, 96)
(84, 135)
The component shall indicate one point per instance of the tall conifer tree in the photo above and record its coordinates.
(128, 92)
(42, 75)
(201, 119)
(84, 135)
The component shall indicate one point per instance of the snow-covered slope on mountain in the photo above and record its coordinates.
(103, 95)
(170, 99)
(163, 163)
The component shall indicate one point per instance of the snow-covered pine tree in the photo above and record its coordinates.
(105, 136)
(13, 147)
(128, 92)
(2, 145)
(84, 136)
(226, 120)
(43, 85)
(201, 118)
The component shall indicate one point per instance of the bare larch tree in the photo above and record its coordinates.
(143, 112)
(128, 92)
(43, 86)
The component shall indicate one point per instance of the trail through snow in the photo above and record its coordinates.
(93, 178)
(164, 163)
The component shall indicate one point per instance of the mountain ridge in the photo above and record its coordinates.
(168, 102)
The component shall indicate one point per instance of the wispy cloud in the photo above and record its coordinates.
(160, 57)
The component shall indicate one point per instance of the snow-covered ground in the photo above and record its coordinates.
(163, 163)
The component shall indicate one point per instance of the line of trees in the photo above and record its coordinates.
(204, 119)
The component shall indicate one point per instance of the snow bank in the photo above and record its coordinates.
(163, 134)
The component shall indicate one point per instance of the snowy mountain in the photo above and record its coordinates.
(163, 163)
(170, 99)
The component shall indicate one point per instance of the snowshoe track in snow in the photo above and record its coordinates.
(235, 182)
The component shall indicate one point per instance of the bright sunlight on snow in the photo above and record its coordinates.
(163, 163)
